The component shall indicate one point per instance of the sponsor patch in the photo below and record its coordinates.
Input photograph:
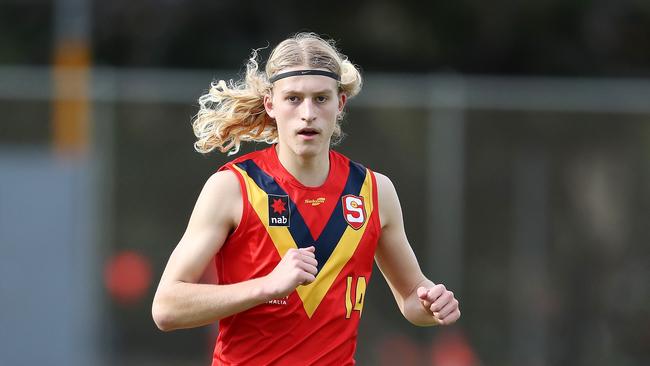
(279, 211)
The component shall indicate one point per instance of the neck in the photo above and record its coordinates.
(311, 171)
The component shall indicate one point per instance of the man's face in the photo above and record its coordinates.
(305, 109)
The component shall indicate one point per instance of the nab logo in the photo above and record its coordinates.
(279, 211)
(354, 211)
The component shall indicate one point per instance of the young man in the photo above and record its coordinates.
(292, 229)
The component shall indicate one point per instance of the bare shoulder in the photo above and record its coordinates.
(389, 207)
(385, 188)
(220, 199)
(224, 180)
(383, 183)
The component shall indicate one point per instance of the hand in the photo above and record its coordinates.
(297, 267)
(440, 302)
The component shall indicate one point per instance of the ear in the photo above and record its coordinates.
(342, 99)
(268, 105)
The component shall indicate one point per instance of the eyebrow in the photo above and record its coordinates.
(292, 91)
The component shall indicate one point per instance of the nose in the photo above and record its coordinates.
(307, 111)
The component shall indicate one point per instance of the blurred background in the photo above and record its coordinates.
(517, 135)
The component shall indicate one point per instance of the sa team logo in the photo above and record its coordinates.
(354, 211)
(279, 211)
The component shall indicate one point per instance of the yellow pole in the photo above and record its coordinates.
(71, 108)
(70, 105)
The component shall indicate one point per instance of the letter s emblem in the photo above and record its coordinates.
(354, 211)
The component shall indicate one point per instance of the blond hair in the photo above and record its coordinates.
(232, 112)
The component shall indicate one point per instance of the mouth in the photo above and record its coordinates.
(308, 131)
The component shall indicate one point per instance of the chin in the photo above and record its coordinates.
(310, 149)
(307, 151)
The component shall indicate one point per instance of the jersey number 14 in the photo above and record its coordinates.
(359, 296)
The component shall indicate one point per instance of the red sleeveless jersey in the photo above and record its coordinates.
(316, 324)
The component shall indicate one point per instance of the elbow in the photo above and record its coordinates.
(162, 316)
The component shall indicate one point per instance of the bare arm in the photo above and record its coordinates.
(421, 301)
(181, 302)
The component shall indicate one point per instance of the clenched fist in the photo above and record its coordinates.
(297, 267)
(440, 303)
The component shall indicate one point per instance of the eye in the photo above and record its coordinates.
(322, 98)
(292, 99)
